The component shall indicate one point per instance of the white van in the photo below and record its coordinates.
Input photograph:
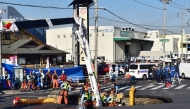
(184, 70)
(140, 70)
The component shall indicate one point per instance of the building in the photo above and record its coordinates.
(113, 43)
(186, 42)
(28, 47)
(153, 34)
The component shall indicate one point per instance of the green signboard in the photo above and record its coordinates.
(166, 40)
(126, 34)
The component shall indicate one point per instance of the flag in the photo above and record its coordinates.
(47, 62)
(7, 24)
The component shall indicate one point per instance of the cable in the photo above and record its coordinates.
(126, 20)
(138, 24)
(148, 5)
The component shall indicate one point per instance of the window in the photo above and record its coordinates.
(143, 66)
(21, 60)
(59, 59)
(7, 36)
(133, 67)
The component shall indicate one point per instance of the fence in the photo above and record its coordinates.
(79, 80)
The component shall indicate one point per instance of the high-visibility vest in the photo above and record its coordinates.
(87, 96)
(66, 86)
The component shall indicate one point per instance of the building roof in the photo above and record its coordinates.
(18, 47)
(83, 2)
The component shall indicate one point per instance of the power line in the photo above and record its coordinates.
(148, 5)
(138, 24)
(126, 20)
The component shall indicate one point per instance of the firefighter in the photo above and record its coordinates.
(104, 99)
(66, 87)
(35, 80)
(41, 78)
(55, 80)
(86, 99)
(48, 78)
(24, 82)
(112, 100)
(7, 79)
(30, 81)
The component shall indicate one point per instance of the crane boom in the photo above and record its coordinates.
(80, 35)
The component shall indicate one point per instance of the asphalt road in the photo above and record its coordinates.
(179, 93)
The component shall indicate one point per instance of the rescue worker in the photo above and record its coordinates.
(86, 99)
(7, 79)
(112, 100)
(48, 78)
(30, 81)
(158, 75)
(113, 76)
(104, 99)
(41, 78)
(55, 80)
(66, 87)
(35, 82)
(63, 76)
(93, 99)
(24, 82)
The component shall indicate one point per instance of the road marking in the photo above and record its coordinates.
(181, 86)
(136, 87)
(124, 88)
(169, 87)
(188, 87)
(147, 87)
(158, 87)
(160, 83)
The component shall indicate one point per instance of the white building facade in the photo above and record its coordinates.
(113, 44)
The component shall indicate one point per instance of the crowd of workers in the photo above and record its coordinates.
(36, 81)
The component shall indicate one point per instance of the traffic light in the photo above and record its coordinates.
(128, 28)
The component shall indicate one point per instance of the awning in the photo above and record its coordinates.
(121, 38)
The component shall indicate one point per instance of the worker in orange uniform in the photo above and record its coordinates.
(66, 87)
(7, 79)
(55, 80)
(30, 81)
(24, 82)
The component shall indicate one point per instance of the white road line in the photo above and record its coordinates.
(124, 88)
(188, 87)
(135, 87)
(158, 87)
(181, 86)
(169, 87)
(160, 83)
(147, 87)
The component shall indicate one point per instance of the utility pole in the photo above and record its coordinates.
(164, 23)
(96, 39)
(182, 34)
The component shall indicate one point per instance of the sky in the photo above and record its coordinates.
(142, 13)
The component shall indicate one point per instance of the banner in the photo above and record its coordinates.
(8, 25)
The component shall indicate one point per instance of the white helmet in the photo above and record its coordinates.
(63, 71)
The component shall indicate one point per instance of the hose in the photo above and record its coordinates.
(18, 101)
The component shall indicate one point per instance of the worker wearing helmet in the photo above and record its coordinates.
(7, 79)
(24, 81)
(48, 78)
(41, 78)
(55, 80)
(86, 99)
(30, 80)
(66, 87)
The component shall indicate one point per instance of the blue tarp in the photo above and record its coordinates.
(76, 73)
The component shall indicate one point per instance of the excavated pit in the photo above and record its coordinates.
(146, 100)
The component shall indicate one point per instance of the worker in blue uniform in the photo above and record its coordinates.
(158, 72)
(113, 76)
(114, 88)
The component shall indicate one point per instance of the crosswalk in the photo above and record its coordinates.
(160, 86)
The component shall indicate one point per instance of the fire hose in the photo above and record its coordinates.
(18, 101)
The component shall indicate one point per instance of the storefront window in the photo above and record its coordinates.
(21, 60)
(59, 59)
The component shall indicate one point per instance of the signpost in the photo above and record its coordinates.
(126, 34)
(166, 40)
